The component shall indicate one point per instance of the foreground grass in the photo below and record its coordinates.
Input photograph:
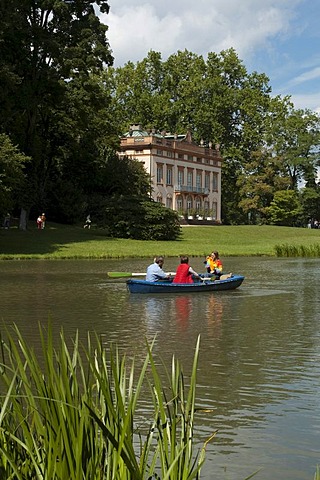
(61, 242)
(72, 415)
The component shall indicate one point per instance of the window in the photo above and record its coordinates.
(190, 157)
(215, 182)
(169, 154)
(198, 204)
(159, 152)
(189, 203)
(180, 155)
(189, 178)
(159, 173)
(169, 201)
(180, 177)
(207, 180)
(198, 180)
(159, 198)
(169, 176)
(179, 204)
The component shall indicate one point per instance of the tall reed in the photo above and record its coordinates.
(286, 250)
(72, 414)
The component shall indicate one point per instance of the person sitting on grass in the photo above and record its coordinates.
(185, 273)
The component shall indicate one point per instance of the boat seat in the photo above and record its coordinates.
(225, 276)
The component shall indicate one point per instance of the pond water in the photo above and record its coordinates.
(259, 365)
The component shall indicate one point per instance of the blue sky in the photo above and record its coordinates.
(279, 38)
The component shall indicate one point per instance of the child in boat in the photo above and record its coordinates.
(185, 273)
(214, 264)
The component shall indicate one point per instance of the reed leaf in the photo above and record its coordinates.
(287, 250)
(72, 416)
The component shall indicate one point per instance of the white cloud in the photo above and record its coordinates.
(307, 100)
(265, 35)
(312, 74)
(201, 27)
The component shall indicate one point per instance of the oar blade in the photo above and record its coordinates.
(124, 274)
(131, 274)
(119, 274)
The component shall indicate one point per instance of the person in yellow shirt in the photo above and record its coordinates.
(214, 264)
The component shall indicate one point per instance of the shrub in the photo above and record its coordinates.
(140, 219)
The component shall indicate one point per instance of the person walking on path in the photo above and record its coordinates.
(6, 223)
(88, 222)
(39, 222)
(43, 221)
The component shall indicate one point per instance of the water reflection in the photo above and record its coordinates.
(259, 369)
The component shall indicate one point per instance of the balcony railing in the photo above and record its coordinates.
(191, 189)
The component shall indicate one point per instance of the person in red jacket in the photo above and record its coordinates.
(184, 272)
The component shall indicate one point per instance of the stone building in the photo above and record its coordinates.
(184, 176)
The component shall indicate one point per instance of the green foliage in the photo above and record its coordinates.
(266, 144)
(66, 110)
(310, 200)
(123, 175)
(285, 208)
(286, 250)
(71, 414)
(293, 138)
(132, 217)
(12, 164)
(51, 96)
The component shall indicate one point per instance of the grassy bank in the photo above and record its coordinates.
(60, 241)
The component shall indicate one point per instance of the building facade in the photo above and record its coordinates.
(184, 176)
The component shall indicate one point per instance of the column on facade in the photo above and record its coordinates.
(180, 180)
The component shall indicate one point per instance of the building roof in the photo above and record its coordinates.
(137, 130)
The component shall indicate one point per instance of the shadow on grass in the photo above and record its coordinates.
(51, 240)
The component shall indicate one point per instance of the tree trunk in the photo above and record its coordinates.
(23, 219)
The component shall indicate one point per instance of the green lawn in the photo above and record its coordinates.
(60, 241)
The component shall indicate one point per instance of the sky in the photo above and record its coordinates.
(279, 38)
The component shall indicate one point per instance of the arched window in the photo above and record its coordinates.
(189, 203)
(179, 204)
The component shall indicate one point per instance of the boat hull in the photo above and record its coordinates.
(142, 286)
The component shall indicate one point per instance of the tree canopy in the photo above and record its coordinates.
(267, 145)
(64, 106)
(51, 100)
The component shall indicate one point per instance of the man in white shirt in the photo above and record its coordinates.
(155, 272)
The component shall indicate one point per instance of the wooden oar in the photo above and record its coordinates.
(131, 274)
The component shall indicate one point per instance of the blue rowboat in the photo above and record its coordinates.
(166, 286)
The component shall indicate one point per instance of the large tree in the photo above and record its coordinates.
(217, 99)
(51, 51)
(12, 179)
(266, 144)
